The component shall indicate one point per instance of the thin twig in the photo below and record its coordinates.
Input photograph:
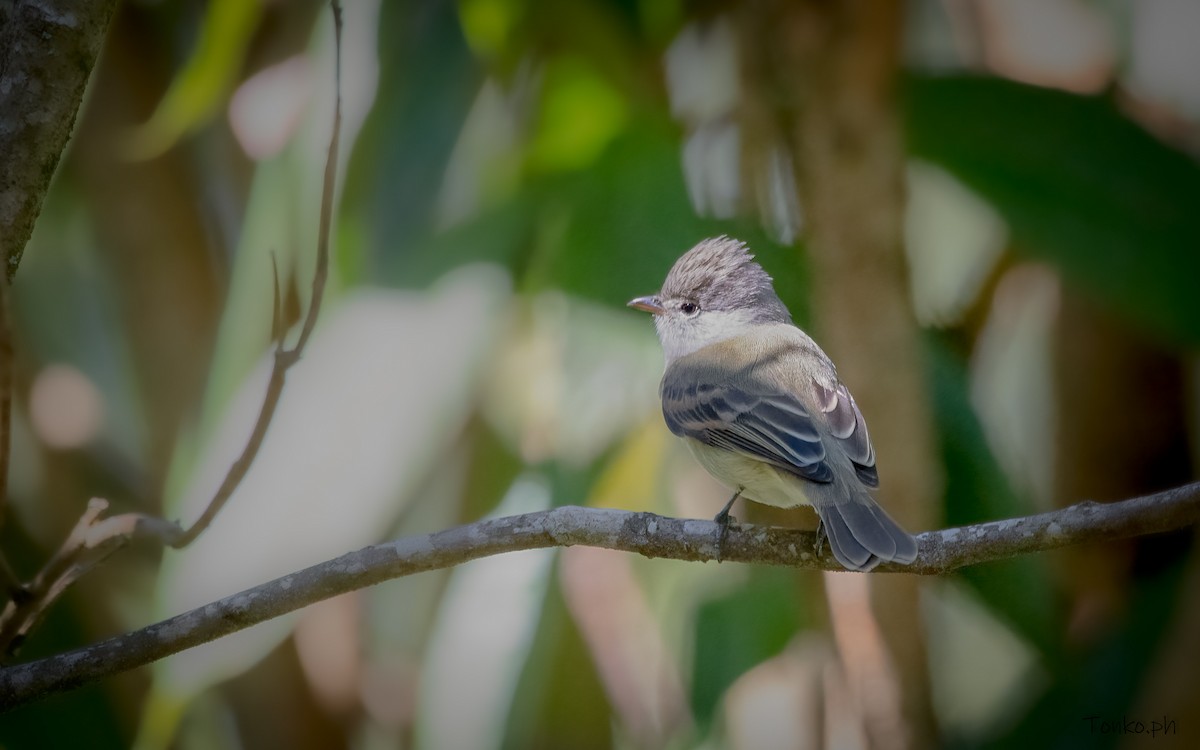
(90, 542)
(20, 616)
(644, 533)
(277, 331)
(284, 357)
(318, 286)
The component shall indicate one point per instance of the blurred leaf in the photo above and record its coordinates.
(602, 32)
(492, 470)
(357, 427)
(401, 614)
(1018, 591)
(488, 24)
(630, 481)
(606, 33)
(1082, 186)
(982, 673)
(629, 218)
(571, 379)
(569, 484)
(428, 80)
(1104, 680)
(580, 115)
(661, 20)
(497, 235)
(245, 328)
(484, 633)
(210, 72)
(608, 252)
(561, 701)
(734, 632)
(608, 378)
(607, 233)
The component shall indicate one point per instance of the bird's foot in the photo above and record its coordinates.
(722, 520)
(820, 537)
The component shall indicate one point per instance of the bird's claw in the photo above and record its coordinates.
(722, 520)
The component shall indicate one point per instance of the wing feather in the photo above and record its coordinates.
(775, 428)
(847, 425)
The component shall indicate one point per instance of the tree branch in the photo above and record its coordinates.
(47, 50)
(644, 533)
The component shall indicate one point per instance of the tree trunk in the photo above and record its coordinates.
(827, 73)
(47, 50)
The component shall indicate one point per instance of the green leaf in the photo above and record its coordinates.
(741, 629)
(498, 235)
(199, 89)
(1082, 186)
(580, 114)
(491, 470)
(1017, 590)
(629, 217)
(1107, 680)
(561, 701)
(428, 80)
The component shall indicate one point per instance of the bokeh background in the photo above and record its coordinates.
(513, 172)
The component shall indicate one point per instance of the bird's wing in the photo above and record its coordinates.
(771, 427)
(847, 426)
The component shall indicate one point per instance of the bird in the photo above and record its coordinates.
(761, 407)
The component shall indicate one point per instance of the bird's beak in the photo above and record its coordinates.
(649, 304)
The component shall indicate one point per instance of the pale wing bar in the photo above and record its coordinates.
(847, 425)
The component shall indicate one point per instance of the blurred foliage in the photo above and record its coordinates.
(762, 614)
(201, 87)
(1104, 680)
(538, 137)
(561, 698)
(1081, 186)
(1019, 589)
(430, 79)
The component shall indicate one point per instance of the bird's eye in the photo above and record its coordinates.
(689, 308)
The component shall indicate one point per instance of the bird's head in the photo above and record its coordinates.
(714, 292)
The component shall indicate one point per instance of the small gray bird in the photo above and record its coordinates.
(760, 405)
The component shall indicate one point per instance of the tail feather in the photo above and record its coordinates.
(861, 534)
(848, 550)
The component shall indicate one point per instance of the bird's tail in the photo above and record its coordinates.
(861, 535)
